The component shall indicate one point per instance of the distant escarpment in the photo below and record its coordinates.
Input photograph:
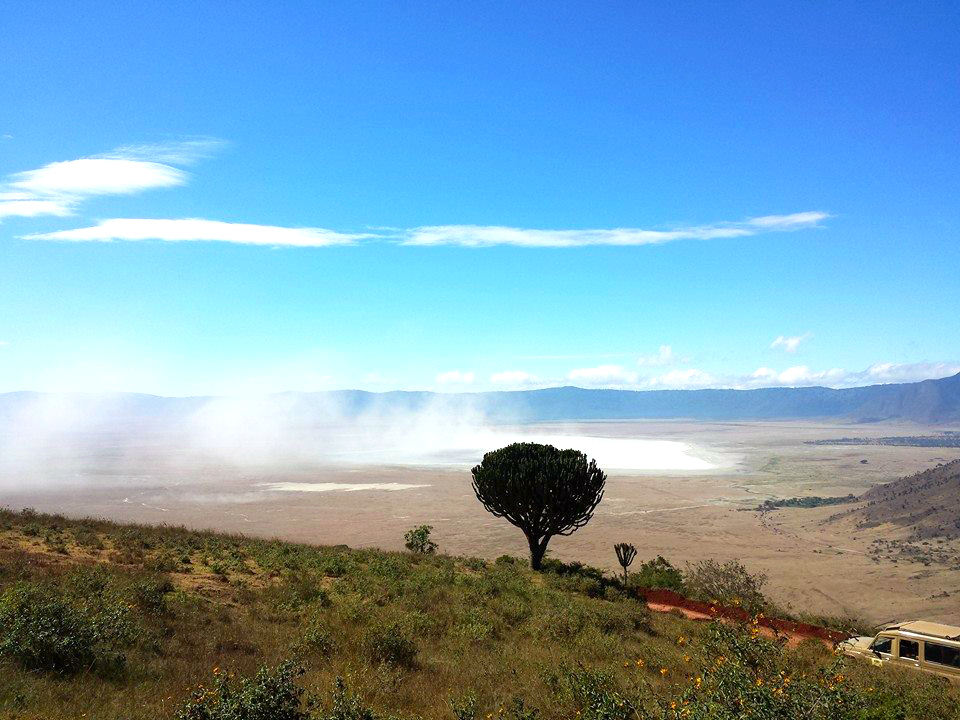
(927, 402)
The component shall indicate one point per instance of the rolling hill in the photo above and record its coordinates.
(925, 503)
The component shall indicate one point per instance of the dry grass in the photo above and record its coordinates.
(409, 633)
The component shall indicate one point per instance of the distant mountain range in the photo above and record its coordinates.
(929, 402)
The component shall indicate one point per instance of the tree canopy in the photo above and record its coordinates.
(540, 489)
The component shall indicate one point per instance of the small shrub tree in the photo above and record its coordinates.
(625, 555)
(418, 540)
(658, 573)
(730, 583)
(540, 489)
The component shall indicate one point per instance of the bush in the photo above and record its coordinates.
(594, 693)
(295, 591)
(658, 574)
(272, 695)
(475, 563)
(151, 595)
(741, 675)
(316, 638)
(347, 706)
(42, 630)
(389, 643)
(729, 583)
(418, 540)
(465, 707)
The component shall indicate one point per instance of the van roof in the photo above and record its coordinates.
(922, 627)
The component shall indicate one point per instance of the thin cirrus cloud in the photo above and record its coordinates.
(56, 189)
(489, 235)
(663, 358)
(199, 230)
(790, 344)
(179, 230)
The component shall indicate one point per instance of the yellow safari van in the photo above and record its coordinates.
(926, 646)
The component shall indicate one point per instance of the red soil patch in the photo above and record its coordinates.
(794, 632)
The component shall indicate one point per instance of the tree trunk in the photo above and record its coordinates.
(538, 548)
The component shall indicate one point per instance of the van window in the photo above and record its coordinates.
(941, 654)
(882, 645)
(909, 649)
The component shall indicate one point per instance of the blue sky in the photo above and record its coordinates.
(249, 197)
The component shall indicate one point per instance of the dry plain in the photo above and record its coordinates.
(684, 515)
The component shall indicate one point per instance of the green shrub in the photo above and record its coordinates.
(346, 706)
(390, 643)
(164, 561)
(594, 694)
(743, 675)
(418, 540)
(729, 583)
(43, 630)
(465, 707)
(295, 591)
(316, 638)
(475, 563)
(272, 695)
(658, 574)
(87, 537)
(151, 595)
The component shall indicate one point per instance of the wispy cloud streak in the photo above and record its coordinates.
(790, 344)
(488, 235)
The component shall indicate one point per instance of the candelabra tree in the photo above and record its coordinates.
(540, 489)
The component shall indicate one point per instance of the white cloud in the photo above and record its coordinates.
(455, 377)
(907, 372)
(663, 358)
(514, 378)
(603, 376)
(615, 376)
(4, 343)
(97, 176)
(57, 188)
(26, 206)
(688, 379)
(790, 344)
(879, 373)
(198, 230)
(796, 376)
(487, 235)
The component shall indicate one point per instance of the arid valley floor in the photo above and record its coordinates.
(813, 566)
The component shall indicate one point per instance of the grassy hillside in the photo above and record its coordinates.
(101, 620)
